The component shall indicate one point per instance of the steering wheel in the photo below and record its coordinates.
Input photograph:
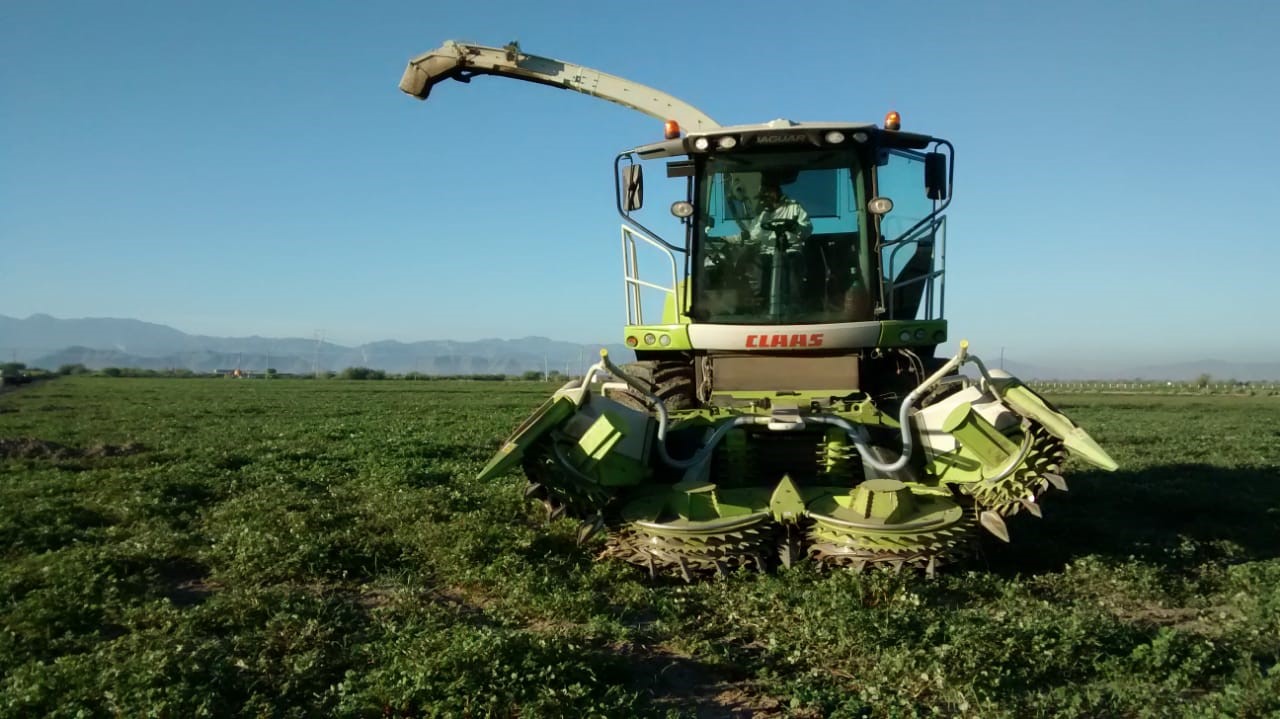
(724, 251)
(780, 225)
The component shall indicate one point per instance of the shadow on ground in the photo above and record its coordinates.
(1176, 515)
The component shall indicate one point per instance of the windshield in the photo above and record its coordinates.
(780, 240)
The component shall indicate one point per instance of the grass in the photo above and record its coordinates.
(216, 547)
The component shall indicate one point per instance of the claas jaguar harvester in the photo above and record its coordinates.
(786, 402)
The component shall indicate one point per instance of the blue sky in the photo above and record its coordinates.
(241, 168)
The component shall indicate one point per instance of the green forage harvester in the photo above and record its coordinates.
(788, 401)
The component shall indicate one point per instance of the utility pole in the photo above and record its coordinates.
(315, 360)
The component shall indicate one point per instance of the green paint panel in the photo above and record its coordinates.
(693, 500)
(646, 508)
(603, 434)
(979, 436)
(882, 500)
(958, 466)
(618, 471)
(677, 333)
(672, 315)
(931, 332)
(551, 414)
(1027, 403)
(737, 502)
(785, 503)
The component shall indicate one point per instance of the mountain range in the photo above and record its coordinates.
(49, 342)
(44, 341)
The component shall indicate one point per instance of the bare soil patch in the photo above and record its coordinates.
(32, 448)
(35, 448)
(673, 680)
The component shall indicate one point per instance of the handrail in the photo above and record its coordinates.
(927, 232)
(631, 273)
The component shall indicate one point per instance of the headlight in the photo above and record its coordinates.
(728, 142)
(664, 340)
(920, 333)
(701, 144)
(880, 205)
(905, 335)
(682, 209)
(835, 137)
(650, 339)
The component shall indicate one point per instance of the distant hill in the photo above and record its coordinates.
(44, 341)
(1217, 369)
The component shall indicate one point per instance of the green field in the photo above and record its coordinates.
(204, 547)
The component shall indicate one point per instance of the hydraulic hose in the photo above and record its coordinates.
(857, 434)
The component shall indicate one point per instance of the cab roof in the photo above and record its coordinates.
(679, 146)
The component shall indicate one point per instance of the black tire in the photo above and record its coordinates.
(669, 380)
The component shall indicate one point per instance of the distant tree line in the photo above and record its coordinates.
(19, 373)
(1202, 384)
(16, 372)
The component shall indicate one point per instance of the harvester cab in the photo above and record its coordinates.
(816, 240)
(786, 401)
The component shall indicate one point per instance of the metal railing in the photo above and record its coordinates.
(933, 234)
(631, 281)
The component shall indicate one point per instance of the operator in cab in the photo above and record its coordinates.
(778, 231)
(780, 220)
(760, 269)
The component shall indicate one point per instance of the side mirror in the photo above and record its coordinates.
(632, 187)
(935, 175)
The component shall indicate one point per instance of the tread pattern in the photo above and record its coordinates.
(670, 381)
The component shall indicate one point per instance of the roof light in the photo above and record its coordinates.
(649, 338)
(701, 143)
(682, 209)
(835, 137)
(892, 120)
(671, 129)
(727, 142)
